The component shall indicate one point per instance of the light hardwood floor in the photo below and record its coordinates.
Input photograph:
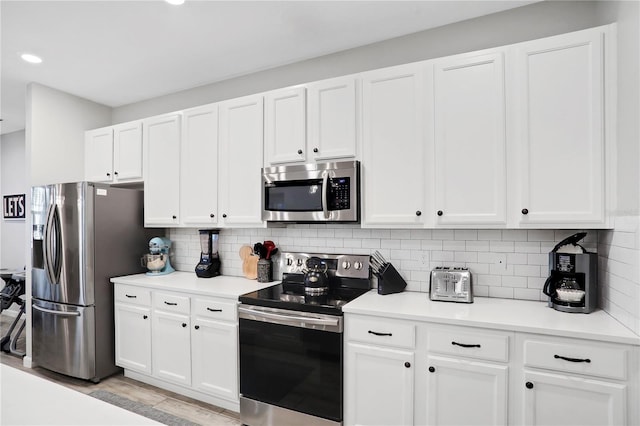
(169, 402)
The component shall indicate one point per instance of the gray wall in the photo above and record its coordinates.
(515, 25)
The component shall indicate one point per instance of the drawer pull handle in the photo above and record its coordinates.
(131, 296)
(214, 310)
(464, 345)
(170, 303)
(379, 334)
(587, 360)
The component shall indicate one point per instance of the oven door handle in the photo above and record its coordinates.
(286, 319)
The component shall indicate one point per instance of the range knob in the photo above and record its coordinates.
(289, 261)
(346, 264)
(299, 262)
(357, 265)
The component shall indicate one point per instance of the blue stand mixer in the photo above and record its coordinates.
(157, 261)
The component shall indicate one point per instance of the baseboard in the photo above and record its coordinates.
(191, 393)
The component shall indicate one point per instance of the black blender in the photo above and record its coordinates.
(209, 265)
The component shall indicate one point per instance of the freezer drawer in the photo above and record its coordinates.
(64, 338)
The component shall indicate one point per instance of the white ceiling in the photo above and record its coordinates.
(120, 52)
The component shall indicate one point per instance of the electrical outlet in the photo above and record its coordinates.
(424, 258)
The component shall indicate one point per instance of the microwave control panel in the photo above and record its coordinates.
(339, 189)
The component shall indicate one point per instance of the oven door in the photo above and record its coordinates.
(291, 360)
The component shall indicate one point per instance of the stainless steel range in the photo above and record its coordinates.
(291, 350)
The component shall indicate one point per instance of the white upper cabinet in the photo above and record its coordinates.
(241, 147)
(98, 155)
(332, 119)
(285, 126)
(469, 140)
(114, 154)
(560, 130)
(394, 162)
(161, 137)
(199, 166)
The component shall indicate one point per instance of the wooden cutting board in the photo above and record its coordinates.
(249, 263)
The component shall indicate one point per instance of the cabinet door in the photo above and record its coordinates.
(284, 126)
(199, 166)
(469, 140)
(161, 138)
(462, 392)
(171, 343)
(241, 146)
(378, 386)
(332, 111)
(393, 147)
(215, 358)
(572, 400)
(98, 155)
(127, 152)
(133, 337)
(560, 130)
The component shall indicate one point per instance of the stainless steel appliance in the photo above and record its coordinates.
(451, 284)
(319, 192)
(573, 274)
(209, 265)
(83, 234)
(291, 352)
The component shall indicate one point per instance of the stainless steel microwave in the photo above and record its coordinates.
(320, 192)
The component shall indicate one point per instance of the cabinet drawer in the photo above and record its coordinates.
(381, 331)
(133, 295)
(171, 302)
(470, 343)
(577, 357)
(215, 309)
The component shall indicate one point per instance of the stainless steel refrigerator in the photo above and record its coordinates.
(83, 234)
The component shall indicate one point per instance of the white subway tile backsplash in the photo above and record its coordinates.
(527, 247)
(442, 256)
(516, 259)
(514, 235)
(453, 245)
(541, 235)
(465, 234)
(501, 292)
(442, 234)
(477, 246)
(410, 244)
(501, 246)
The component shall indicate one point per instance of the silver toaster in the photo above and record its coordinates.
(451, 284)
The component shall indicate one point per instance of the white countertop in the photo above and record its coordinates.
(31, 400)
(501, 314)
(220, 286)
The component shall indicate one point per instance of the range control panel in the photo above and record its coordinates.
(338, 265)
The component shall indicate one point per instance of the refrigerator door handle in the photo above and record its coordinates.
(59, 313)
(52, 245)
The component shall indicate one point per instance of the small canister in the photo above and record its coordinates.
(265, 271)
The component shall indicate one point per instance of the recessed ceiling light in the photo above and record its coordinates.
(32, 59)
(175, 2)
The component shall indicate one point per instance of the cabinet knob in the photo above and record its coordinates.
(197, 327)
(315, 149)
(145, 317)
(407, 364)
(525, 211)
(439, 212)
(115, 173)
(108, 174)
(432, 369)
(299, 151)
(224, 215)
(212, 215)
(174, 216)
(418, 213)
(184, 324)
(529, 385)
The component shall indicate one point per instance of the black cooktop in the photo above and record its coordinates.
(291, 296)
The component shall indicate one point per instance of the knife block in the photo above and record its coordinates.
(389, 280)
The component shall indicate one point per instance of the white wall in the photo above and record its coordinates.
(13, 180)
(512, 26)
(56, 122)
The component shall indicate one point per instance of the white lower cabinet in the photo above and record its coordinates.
(400, 372)
(575, 382)
(181, 342)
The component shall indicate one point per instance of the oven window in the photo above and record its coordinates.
(295, 368)
(295, 196)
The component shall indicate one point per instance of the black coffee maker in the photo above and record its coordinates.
(209, 265)
(573, 274)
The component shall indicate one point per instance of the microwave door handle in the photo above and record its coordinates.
(325, 190)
